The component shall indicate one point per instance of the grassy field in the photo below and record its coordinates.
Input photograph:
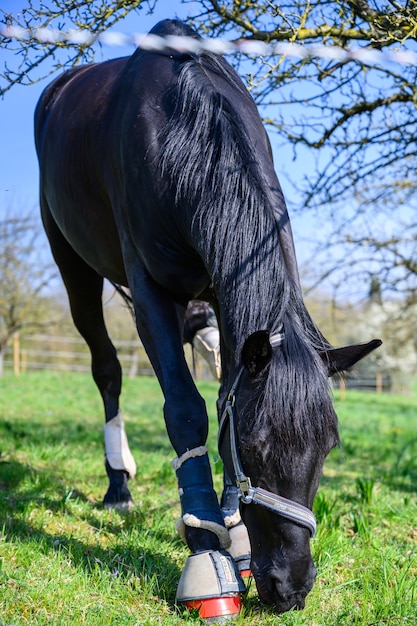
(66, 561)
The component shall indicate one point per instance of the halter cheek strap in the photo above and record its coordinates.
(229, 452)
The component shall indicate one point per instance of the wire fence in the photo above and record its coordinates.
(71, 354)
(48, 352)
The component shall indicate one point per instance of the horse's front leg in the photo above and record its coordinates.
(201, 524)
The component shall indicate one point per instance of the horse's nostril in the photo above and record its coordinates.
(277, 590)
(300, 603)
(278, 586)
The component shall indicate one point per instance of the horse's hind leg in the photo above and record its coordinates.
(87, 313)
(84, 287)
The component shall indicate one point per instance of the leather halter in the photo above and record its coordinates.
(289, 509)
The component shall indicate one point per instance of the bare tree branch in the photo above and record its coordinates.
(359, 119)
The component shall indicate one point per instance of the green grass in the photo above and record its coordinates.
(64, 560)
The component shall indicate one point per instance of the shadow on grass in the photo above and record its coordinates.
(128, 559)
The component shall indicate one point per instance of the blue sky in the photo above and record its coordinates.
(18, 163)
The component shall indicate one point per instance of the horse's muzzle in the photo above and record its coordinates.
(276, 589)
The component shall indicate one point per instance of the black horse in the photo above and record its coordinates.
(156, 173)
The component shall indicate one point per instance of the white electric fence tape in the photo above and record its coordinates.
(218, 46)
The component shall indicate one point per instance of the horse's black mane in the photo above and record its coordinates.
(236, 235)
(226, 190)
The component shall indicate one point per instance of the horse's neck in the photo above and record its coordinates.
(252, 297)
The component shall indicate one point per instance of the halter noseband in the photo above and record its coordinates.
(289, 509)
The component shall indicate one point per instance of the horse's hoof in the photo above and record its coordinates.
(118, 499)
(211, 584)
(216, 610)
(122, 507)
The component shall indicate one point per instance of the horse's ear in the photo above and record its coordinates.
(341, 359)
(257, 352)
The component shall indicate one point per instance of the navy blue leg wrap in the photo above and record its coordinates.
(196, 490)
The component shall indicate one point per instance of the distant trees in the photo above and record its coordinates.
(24, 275)
(344, 322)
